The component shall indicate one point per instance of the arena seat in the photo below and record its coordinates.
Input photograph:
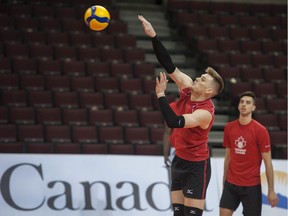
(8, 133)
(111, 135)
(137, 135)
(67, 148)
(66, 100)
(84, 134)
(24, 65)
(73, 68)
(31, 133)
(75, 116)
(126, 118)
(39, 148)
(148, 149)
(102, 117)
(57, 133)
(48, 115)
(9, 81)
(40, 98)
(125, 149)
(131, 86)
(151, 118)
(91, 100)
(16, 98)
(58, 83)
(12, 147)
(33, 82)
(99, 148)
(22, 115)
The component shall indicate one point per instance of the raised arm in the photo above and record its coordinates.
(181, 79)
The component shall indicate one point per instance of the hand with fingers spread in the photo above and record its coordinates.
(161, 85)
(148, 28)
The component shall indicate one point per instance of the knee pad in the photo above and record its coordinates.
(192, 211)
(178, 209)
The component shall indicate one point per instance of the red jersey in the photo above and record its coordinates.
(191, 143)
(246, 142)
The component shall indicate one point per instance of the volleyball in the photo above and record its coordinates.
(97, 17)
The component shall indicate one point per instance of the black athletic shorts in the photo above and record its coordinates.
(251, 198)
(192, 177)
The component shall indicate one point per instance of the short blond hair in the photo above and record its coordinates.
(218, 79)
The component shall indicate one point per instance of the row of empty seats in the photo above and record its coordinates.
(269, 90)
(255, 75)
(233, 8)
(117, 146)
(233, 33)
(119, 40)
(64, 83)
(247, 44)
(245, 60)
(31, 66)
(82, 148)
(38, 133)
(125, 118)
(53, 9)
(228, 20)
(259, 46)
(80, 116)
(64, 80)
(21, 50)
(66, 89)
(99, 100)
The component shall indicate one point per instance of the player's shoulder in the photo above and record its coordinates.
(232, 123)
(258, 125)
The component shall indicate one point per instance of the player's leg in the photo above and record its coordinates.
(177, 199)
(252, 201)
(226, 212)
(196, 183)
(194, 207)
(230, 199)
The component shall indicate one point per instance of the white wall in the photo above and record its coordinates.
(103, 185)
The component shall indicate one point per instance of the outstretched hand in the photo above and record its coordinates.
(148, 28)
(161, 84)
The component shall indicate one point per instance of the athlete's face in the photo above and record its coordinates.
(203, 83)
(246, 105)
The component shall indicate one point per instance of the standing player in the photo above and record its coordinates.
(191, 170)
(247, 143)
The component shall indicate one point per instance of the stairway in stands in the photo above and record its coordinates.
(155, 14)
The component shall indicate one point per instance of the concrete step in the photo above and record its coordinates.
(153, 13)
(137, 31)
(137, 5)
(155, 17)
(218, 152)
(178, 59)
(215, 138)
(220, 121)
(171, 46)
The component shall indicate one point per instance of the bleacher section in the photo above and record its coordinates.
(247, 44)
(67, 89)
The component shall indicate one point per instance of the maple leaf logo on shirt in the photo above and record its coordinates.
(240, 142)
